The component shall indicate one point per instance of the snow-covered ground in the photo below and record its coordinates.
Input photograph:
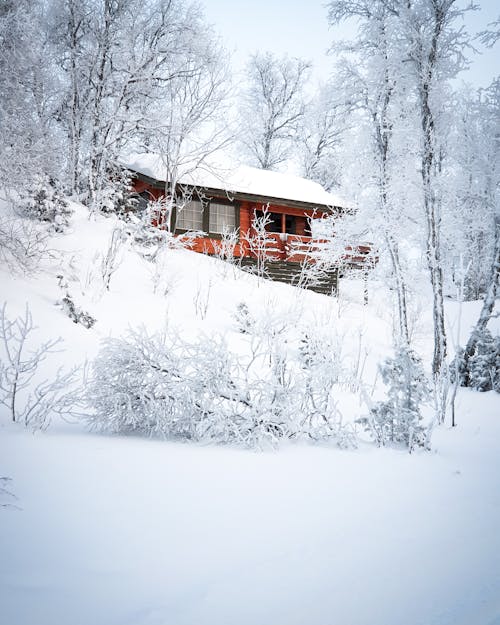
(123, 530)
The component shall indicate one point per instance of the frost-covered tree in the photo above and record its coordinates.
(479, 368)
(398, 419)
(414, 50)
(32, 398)
(374, 88)
(187, 126)
(320, 137)
(472, 199)
(30, 138)
(44, 202)
(134, 72)
(480, 335)
(434, 52)
(162, 385)
(272, 107)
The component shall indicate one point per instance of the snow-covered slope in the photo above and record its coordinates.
(123, 530)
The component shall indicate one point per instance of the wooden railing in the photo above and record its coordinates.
(295, 248)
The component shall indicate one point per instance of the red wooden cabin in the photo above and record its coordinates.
(230, 201)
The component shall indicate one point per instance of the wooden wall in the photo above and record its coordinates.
(209, 245)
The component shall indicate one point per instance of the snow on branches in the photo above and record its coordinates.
(29, 399)
(163, 385)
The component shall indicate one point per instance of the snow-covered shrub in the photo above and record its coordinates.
(201, 299)
(118, 197)
(150, 235)
(162, 385)
(112, 258)
(259, 241)
(245, 322)
(226, 247)
(75, 313)
(482, 370)
(29, 399)
(398, 420)
(137, 385)
(353, 369)
(164, 279)
(320, 363)
(147, 384)
(43, 202)
(225, 251)
(23, 244)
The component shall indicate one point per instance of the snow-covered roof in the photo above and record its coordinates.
(241, 179)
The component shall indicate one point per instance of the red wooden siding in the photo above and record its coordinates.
(281, 246)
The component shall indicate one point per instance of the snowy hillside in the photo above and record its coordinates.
(115, 529)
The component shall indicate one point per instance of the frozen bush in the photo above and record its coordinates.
(482, 369)
(76, 314)
(112, 258)
(44, 203)
(28, 399)
(118, 197)
(23, 244)
(156, 385)
(320, 364)
(150, 234)
(398, 419)
(136, 385)
(161, 385)
(245, 322)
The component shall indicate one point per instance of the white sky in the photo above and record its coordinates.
(300, 28)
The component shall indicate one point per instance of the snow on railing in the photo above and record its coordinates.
(300, 248)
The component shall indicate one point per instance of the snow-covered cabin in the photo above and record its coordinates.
(228, 199)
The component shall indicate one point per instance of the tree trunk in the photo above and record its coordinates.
(487, 309)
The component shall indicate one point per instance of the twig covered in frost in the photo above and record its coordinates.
(7, 494)
(201, 299)
(165, 386)
(397, 420)
(31, 405)
(258, 240)
(23, 244)
(111, 258)
(225, 249)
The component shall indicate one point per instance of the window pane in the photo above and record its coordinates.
(222, 218)
(191, 216)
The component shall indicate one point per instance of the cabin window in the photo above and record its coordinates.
(279, 222)
(275, 225)
(274, 219)
(190, 217)
(222, 218)
(290, 224)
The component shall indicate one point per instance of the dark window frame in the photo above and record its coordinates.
(205, 202)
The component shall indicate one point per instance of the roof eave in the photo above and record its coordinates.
(245, 197)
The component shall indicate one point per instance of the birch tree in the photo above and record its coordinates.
(71, 30)
(122, 60)
(320, 138)
(187, 125)
(272, 107)
(29, 96)
(470, 203)
(491, 198)
(372, 85)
